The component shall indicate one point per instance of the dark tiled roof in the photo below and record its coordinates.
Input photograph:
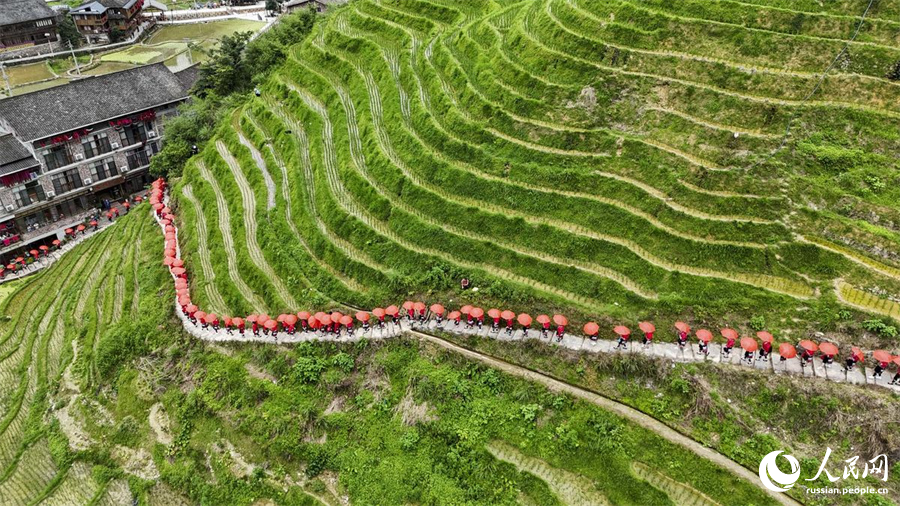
(91, 100)
(14, 156)
(100, 6)
(188, 76)
(21, 11)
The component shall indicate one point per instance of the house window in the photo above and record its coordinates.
(56, 157)
(137, 159)
(66, 181)
(104, 169)
(29, 194)
(133, 134)
(96, 145)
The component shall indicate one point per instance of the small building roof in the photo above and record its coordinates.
(301, 3)
(153, 4)
(188, 76)
(14, 156)
(22, 11)
(53, 111)
(100, 6)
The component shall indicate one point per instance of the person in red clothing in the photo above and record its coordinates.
(765, 350)
(623, 341)
(560, 331)
(648, 338)
(126, 205)
(879, 369)
(729, 344)
(545, 329)
(806, 357)
(682, 338)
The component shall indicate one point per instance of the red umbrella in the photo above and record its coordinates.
(237, 321)
(181, 283)
(704, 335)
(454, 315)
(682, 327)
(477, 312)
(11, 266)
(182, 291)
(419, 306)
(508, 315)
(56, 242)
(184, 300)
(346, 320)
(466, 309)
(44, 247)
(765, 336)
(290, 319)
(787, 350)
(622, 330)
(178, 271)
(303, 315)
(314, 323)
(543, 319)
(166, 210)
(199, 315)
(591, 329)
(494, 313)
(362, 316)
(828, 349)
(169, 252)
(280, 318)
(560, 320)
(336, 317)
(857, 353)
(749, 344)
(210, 318)
(177, 262)
(647, 327)
(264, 318)
(270, 324)
(392, 310)
(168, 261)
(524, 319)
(729, 333)
(881, 356)
(379, 312)
(254, 318)
(323, 317)
(164, 221)
(408, 305)
(80, 228)
(437, 309)
(34, 252)
(896, 359)
(158, 206)
(808, 345)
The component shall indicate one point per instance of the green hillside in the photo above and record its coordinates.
(724, 163)
(618, 160)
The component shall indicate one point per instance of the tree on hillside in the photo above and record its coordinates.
(68, 32)
(225, 71)
(273, 6)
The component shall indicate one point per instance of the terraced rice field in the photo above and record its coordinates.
(616, 158)
(49, 355)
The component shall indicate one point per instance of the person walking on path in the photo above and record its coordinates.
(624, 334)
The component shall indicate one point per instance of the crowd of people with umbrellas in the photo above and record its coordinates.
(417, 313)
(43, 251)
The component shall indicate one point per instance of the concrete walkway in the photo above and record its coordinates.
(773, 364)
